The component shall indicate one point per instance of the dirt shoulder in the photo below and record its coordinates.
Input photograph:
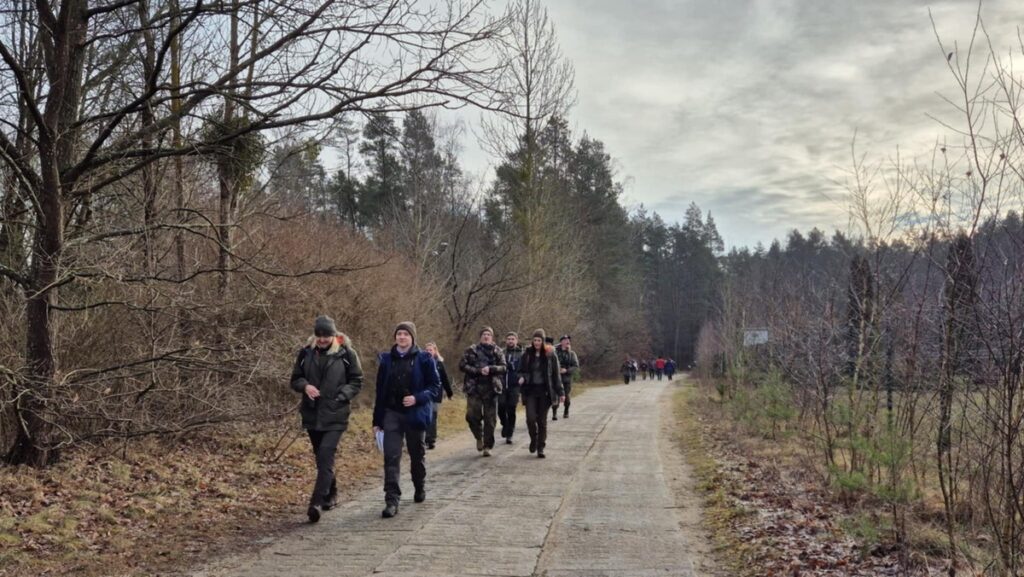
(683, 482)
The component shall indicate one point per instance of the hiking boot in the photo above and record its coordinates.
(420, 496)
(331, 502)
(540, 454)
(480, 444)
(487, 452)
(565, 415)
(508, 440)
(554, 417)
(430, 446)
(533, 446)
(389, 511)
(314, 513)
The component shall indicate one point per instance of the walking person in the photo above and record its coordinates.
(509, 400)
(328, 374)
(446, 385)
(643, 369)
(627, 370)
(408, 384)
(632, 369)
(542, 387)
(568, 363)
(484, 367)
(659, 366)
(670, 368)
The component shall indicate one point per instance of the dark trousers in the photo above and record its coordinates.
(567, 386)
(507, 404)
(537, 418)
(432, 428)
(325, 445)
(396, 431)
(659, 373)
(482, 415)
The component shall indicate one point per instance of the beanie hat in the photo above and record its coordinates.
(549, 340)
(324, 327)
(512, 334)
(487, 330)
(565, 338)
(408, 327)
(539, 333)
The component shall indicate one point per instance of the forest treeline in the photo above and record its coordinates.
(184, 185)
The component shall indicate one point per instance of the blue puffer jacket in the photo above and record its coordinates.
(426, 387)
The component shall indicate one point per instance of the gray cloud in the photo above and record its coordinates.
(749, 107)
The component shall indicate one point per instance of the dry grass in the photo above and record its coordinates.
(153, 505)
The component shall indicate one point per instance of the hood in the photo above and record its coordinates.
(341, 340)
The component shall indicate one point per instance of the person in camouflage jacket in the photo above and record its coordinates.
(483, 365)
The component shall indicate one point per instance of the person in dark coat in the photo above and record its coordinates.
(484, 367)
(670, 368)
(408, 384)
(328, 374)
(627, 370)
(542, 387)
(569, 363)
(643, 369)
(446, 384)
(509, 401)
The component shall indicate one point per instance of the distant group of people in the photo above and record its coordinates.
(411, 384)
(647, 368)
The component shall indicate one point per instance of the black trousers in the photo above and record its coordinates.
(397, 432)
(325, 445)
(537, 418)
(507, 404)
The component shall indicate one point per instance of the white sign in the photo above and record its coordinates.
(753, 337)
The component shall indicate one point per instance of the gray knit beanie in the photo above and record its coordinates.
(408, 327)
(324, 327)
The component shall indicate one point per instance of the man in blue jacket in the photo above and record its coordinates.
(407, 385)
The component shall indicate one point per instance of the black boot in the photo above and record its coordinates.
(420, 496)
(314, 513)
(533, 446)
(332, 500)
(390, 511)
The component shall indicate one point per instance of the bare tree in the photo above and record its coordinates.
(75, 133)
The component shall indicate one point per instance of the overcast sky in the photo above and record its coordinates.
(748, 107)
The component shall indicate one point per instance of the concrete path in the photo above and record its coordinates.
(598, 506)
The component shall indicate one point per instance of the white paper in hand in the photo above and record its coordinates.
(380, 441)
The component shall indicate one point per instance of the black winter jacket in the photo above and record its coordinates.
(339, 378)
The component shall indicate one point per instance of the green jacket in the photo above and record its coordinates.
(339, 377)
(569, 361)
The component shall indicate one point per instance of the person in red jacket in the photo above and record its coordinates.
(659, 366)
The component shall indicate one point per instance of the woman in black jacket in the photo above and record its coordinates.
(542, 387)
(446, 384)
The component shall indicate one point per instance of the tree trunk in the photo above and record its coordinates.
(64, 55)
